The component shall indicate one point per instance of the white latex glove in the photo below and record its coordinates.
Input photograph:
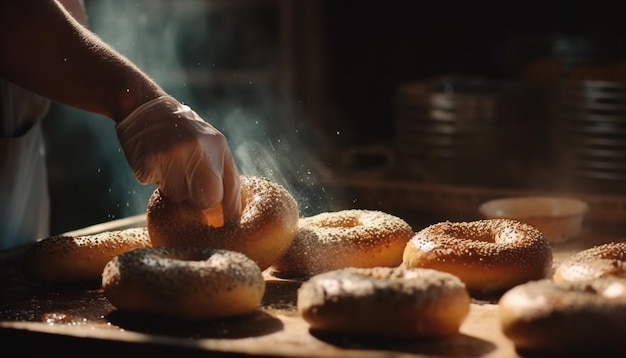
(168, 144)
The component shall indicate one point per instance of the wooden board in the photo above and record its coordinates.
(40, 319)
(276, 330)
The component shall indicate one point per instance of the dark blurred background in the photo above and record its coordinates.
(300, 87)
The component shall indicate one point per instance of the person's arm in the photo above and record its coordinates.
(76, 8)
(45, 50)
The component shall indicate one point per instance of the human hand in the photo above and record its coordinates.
(168, 144)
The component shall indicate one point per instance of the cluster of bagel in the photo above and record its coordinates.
(186, 263)
(580, 310)
(363, 272)
(577, 307)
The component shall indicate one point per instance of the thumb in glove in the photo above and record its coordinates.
(168, 144)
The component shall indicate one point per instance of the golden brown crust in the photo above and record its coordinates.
(597, 262)
(184, 283)
(348, 238)
(266, 229)
(384, 302)
(580, 317)
(68, 259)
(488, 255)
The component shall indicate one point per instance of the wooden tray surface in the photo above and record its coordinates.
(44, 319)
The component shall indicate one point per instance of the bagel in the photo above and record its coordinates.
(72, 259)
(593, 263)
(384, 302)
(489, 255)
(347, 238)
(268, 223)
(567, 319)
(184, 283)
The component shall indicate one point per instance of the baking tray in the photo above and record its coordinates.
(80, 319)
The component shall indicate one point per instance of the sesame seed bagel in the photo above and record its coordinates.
(184, 283)
(267, 226)
(70, 259)
(384, 302)
(488, 255)
(596, 262)
(348, 238)
(573, 319)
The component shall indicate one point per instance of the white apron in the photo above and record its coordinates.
(24, 198)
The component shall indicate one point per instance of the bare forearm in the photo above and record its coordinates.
(76, 8)
(43, 49)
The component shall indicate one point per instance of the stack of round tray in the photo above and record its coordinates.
(590, 132)
(444, 128)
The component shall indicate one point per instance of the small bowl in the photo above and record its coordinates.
(559, 219)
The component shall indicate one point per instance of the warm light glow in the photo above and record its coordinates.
(615, 290)
(214, 216)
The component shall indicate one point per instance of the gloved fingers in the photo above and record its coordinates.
(171, 180)
(204, 187)
(187, 175)
(168, 144)
(231, 203)
(210, 186)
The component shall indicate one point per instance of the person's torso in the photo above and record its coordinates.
(24, 202)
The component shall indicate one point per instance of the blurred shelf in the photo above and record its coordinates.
(426, 203)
